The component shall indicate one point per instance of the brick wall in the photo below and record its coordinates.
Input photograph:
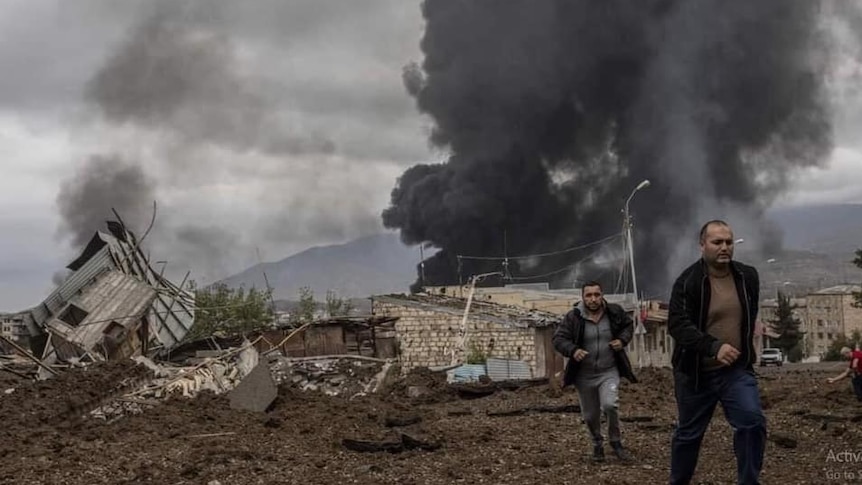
(427, 336)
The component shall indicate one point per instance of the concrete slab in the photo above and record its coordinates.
(256, 392)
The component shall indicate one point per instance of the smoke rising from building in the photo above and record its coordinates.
(554, 110)
(101, 184)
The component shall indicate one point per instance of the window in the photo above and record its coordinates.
(115, 331)
(73, 315)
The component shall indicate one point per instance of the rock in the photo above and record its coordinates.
(256, 392)
(412, 442)
(782, 440)
(417, 391)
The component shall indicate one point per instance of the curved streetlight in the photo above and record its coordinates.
(628, 223)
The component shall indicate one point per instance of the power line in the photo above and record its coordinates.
(568, 267)
(540, 255)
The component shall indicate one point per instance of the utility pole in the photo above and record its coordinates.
(422, 266)
(639, 328)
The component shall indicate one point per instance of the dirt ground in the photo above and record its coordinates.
(519, 435)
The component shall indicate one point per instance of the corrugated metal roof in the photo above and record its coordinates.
(508, 369)
(114, 297)
(839, 290)
(466, 373)
(96, 265)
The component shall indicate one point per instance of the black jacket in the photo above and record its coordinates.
(687, 315)
(570, 336)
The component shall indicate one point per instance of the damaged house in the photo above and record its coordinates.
(112, 306)
(433, 331)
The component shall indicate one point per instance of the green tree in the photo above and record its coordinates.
(833, 353)
(336, 306)
(229, 311)
(787, 327)
(305, 310)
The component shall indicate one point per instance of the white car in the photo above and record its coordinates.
(771, 356)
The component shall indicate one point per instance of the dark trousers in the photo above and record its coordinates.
(857, 386)
(736, 389)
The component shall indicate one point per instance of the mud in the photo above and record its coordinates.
(526, 435)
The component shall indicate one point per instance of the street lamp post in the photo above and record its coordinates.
(628, 222)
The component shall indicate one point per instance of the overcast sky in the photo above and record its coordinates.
(259, 126)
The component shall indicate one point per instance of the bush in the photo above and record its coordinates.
(476, 355)
(833, 353)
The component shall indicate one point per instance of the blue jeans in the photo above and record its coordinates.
(736, 389)
(857, 386)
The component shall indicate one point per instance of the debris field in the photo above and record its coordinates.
(327, 425)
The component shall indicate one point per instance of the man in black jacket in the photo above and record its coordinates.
(713, 308)
(594, 335)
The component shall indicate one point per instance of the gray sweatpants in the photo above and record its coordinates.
(598, 393)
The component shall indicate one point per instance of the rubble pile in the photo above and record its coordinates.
(214, 374)
(345, 375)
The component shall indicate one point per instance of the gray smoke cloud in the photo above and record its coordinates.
(178, 71)
(103, 183)
(176, 74)
(554, 110)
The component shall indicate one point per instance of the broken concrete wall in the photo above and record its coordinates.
(427, 335)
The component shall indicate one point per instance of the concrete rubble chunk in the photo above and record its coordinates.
(256, 392)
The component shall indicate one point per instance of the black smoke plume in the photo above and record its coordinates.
(103, 183)
(554, 110)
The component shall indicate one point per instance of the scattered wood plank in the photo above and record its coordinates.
(415, 442)
(211, 435)
(636, 419)
(367, 446)
(399, 421)
(565, 408)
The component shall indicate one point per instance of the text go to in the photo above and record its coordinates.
(840, 475)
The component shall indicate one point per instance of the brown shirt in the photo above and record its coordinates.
(724, 320)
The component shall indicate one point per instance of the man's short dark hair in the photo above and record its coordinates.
(591, 283)
(714, 222)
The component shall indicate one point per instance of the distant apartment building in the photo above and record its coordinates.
(14, 327)
(832, 312)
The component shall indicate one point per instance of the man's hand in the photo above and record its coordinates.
(579, 355)
(831, 380)
(616, 344)
(727, 354)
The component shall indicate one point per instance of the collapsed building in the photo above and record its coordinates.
(113, 305)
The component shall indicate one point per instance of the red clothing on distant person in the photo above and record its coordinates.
(856, 356)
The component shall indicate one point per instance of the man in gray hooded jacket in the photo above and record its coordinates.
(593, 335)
